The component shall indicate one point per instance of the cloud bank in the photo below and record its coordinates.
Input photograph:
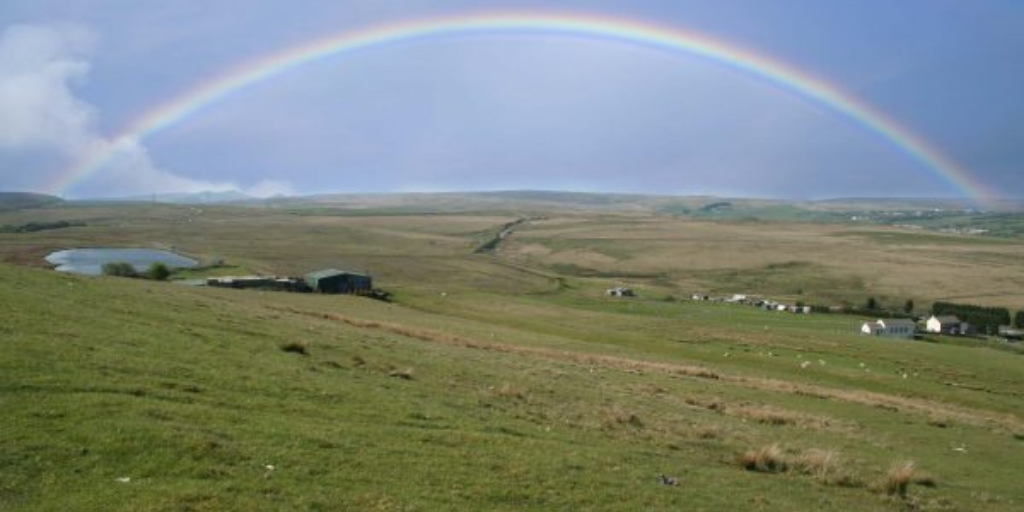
(46, 128)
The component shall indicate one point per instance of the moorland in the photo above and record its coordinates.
(499, 376)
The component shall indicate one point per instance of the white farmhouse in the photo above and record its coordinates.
(944, 325)
(890, 328)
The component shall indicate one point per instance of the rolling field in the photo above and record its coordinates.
(501, 381)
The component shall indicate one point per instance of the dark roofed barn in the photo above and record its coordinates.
(339, 281)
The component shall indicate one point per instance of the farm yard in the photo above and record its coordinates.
(505, 379)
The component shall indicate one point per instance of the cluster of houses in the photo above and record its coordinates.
(765, 304)
(321, 281)
(948, 325)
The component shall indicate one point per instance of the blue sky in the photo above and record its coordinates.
(509, 111)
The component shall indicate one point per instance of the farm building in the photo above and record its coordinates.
(289, 284)
(890, 328)
(944, 325)
(339, 281)
(1011, 334)
(619, 291)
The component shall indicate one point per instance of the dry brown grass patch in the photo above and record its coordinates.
(401, 373)
(708, 432)
(507, 390)
(827, 466)
(614, 418)
(766, 459)
(768, 415)
(711, 404)
(899, 478)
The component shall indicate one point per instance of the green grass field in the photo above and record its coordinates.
(493, 382)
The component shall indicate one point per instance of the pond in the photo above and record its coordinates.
(91, 261)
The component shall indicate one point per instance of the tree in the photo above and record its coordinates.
(871, 304)
(1018, 320)
(119, 269)
(987, 319)
(158, 272)
(908, 308)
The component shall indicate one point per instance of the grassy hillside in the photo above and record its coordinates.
(22, 200)
(131, 395)
(494, 382)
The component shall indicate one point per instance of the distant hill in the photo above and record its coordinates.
(510, 200)
(22, 200)
(206, 197)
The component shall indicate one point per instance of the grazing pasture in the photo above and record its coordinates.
(500, 381)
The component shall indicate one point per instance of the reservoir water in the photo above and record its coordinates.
(91, 261)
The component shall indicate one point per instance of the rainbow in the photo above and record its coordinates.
(631, 32)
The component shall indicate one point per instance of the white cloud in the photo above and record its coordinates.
(270, 188)
(45, 127)
(36, 67)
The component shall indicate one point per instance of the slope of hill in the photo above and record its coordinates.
(23, 200)
(131, 395)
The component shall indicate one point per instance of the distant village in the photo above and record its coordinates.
(899, 328)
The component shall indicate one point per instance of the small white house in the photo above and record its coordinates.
(947, 324)
(619, 291)
(890, 328)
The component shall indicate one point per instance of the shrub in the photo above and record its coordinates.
(158, 272)
(988, 319)
(119, 269)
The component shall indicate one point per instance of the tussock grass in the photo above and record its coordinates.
(401, 373)
(768, 415)
(901, 475)
(507, 390)
(613, 418)
(899, 478)
(297, 347)
(766, 459)
(826, 466)
(708, 432)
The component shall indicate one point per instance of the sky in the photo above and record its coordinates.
(509, 110)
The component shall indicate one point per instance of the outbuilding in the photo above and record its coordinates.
(339, 281)
(944, 325)
(890, 328)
